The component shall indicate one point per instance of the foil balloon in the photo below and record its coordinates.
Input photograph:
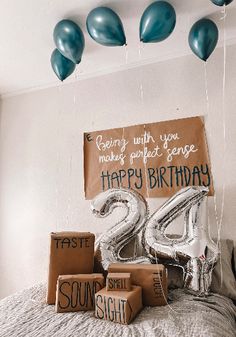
(221, 2)
(157, 22)
(195, 251)
(69, 40)
(111, 243)
(105, 27)
(203, 38)
(61, 66)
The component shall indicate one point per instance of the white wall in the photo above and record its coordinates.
(41, 160)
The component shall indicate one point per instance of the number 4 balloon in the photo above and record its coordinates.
(195, 251)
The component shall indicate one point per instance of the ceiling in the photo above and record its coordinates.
(26, 28)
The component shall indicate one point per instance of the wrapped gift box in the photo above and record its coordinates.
(70, 253)
(77, 292)
(120, 307)
(118, 282)
(151, 277)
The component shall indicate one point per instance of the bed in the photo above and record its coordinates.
(25, 314)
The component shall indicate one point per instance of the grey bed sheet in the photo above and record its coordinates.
(25, 314)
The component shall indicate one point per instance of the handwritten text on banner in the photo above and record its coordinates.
(155, 159)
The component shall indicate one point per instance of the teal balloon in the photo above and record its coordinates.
(61, 66)
(221, 2)
(69, 40)
(157, 22)
(203, 38)
(105, 27)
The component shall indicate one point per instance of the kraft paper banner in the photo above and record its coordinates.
(156, 159)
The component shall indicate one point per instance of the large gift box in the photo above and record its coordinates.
(151, 277)
(120, 307)
(77, 292)
(70, 253)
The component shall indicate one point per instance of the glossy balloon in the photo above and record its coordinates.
(69, 40)
(105, 27)
(111, 243)
(157, 22)
(195, 251)
(221, 2)
(203, 38)
(61, 66)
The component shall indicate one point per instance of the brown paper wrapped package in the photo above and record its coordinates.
(70, 253)
(77, 292)
(120, 307)
(151, 277)
(118, 282)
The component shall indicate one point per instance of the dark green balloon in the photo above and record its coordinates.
(105, 27)
(157, 22)
(69, 40)
(221, 2)
(203, 38)
(61, 66)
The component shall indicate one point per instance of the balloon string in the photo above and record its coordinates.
(210, 136)
(57, 206)
(174, 312)
(123, 129)
(70, 159)
(207, 115)
(223, 116)
(126, 54)
(219, 219)
(224, 139)
(142, 102)
(213, 171)
(135, 251)
(123, 137)
(141, 92)
(69, 197)
(141, 84)
(58, 159)
(207, 97)
(145, 164)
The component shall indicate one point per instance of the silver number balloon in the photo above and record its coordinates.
(195, 251)
(118, 236)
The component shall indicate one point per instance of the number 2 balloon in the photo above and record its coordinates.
(119, 235)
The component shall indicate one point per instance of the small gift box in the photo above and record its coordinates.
(120, 307)
(118, 282)
(77, 292)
